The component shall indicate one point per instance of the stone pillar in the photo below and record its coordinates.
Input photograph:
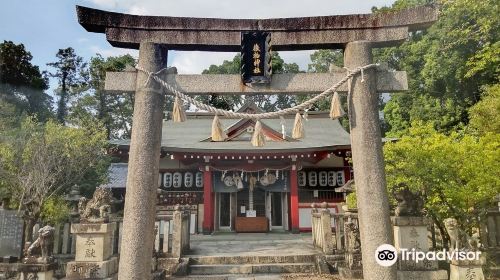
(326, 224)
(177, 234)
(208, 201)
(366, 144)
(411, 233)
(294, 200)
(142, 180)
(467, 270)
(94, 252)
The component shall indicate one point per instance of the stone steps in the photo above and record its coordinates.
(212, 260)
(299, 276)
(269, 268)
(228, 277)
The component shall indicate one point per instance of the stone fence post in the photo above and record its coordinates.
(326, 225)
(314, 213)
(177, 232)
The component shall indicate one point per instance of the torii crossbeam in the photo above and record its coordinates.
(154, 36)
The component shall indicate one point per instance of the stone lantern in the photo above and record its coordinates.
(72, 199)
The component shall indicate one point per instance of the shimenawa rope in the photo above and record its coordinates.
(268, 115)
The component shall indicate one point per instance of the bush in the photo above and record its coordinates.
(351, 201)
(55, 211)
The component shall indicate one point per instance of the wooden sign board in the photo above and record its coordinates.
(256, 57)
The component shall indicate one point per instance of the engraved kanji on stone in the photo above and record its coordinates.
(470, 274)
(415, 244)
(413, 232)
(90, 253)
(90, 241)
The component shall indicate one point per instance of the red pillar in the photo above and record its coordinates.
(347, 169)
(294, 200)
(208, 208)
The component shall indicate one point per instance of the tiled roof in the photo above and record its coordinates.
(321, 133)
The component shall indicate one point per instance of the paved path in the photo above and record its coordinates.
(251, 244)
(293, 276)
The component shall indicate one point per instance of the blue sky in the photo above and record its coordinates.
(48, 25)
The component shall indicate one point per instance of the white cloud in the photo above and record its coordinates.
(106, 4)
(105, 52)
(138, 10)
(302, 58)
(82, 40)
(241, 8)
(195, 62)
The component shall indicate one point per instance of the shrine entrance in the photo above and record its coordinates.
(270, 205)
(255, 210)
(277, 213)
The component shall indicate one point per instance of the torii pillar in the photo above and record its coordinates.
(143, 167)
(368, 162)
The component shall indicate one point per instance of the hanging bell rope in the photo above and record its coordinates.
(336, 110)
(258, 138)
(298, 127)
(218, 133)
(178, 114)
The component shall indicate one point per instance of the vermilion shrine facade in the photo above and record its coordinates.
(225, 181)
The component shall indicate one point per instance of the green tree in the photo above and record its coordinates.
(71, 71)
(456, 176)
(223, 101)
(321, 60)
(39, 161)
(485, 115)
(114, 111)
(22, 86)
(447, 65)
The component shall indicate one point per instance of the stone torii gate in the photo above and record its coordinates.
(154, 36)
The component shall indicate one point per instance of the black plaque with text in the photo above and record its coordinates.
(11, 234)
(256, 57)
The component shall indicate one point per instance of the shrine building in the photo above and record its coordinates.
(236, 187)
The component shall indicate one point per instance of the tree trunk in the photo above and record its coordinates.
(61, 106)
(442, 230)
(29, 223)
(103, 113)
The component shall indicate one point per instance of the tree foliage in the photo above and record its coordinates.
(447, 65)
(457, 175)
(40, 161)
(322, 60)
(55, 210)
(485, 115)
(72, 73)
(22, 86)
(114, 111)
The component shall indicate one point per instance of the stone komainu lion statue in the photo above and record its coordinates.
(353, 238)
(97, 209)
(459, 239)
(408, 203)
(40, 251)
